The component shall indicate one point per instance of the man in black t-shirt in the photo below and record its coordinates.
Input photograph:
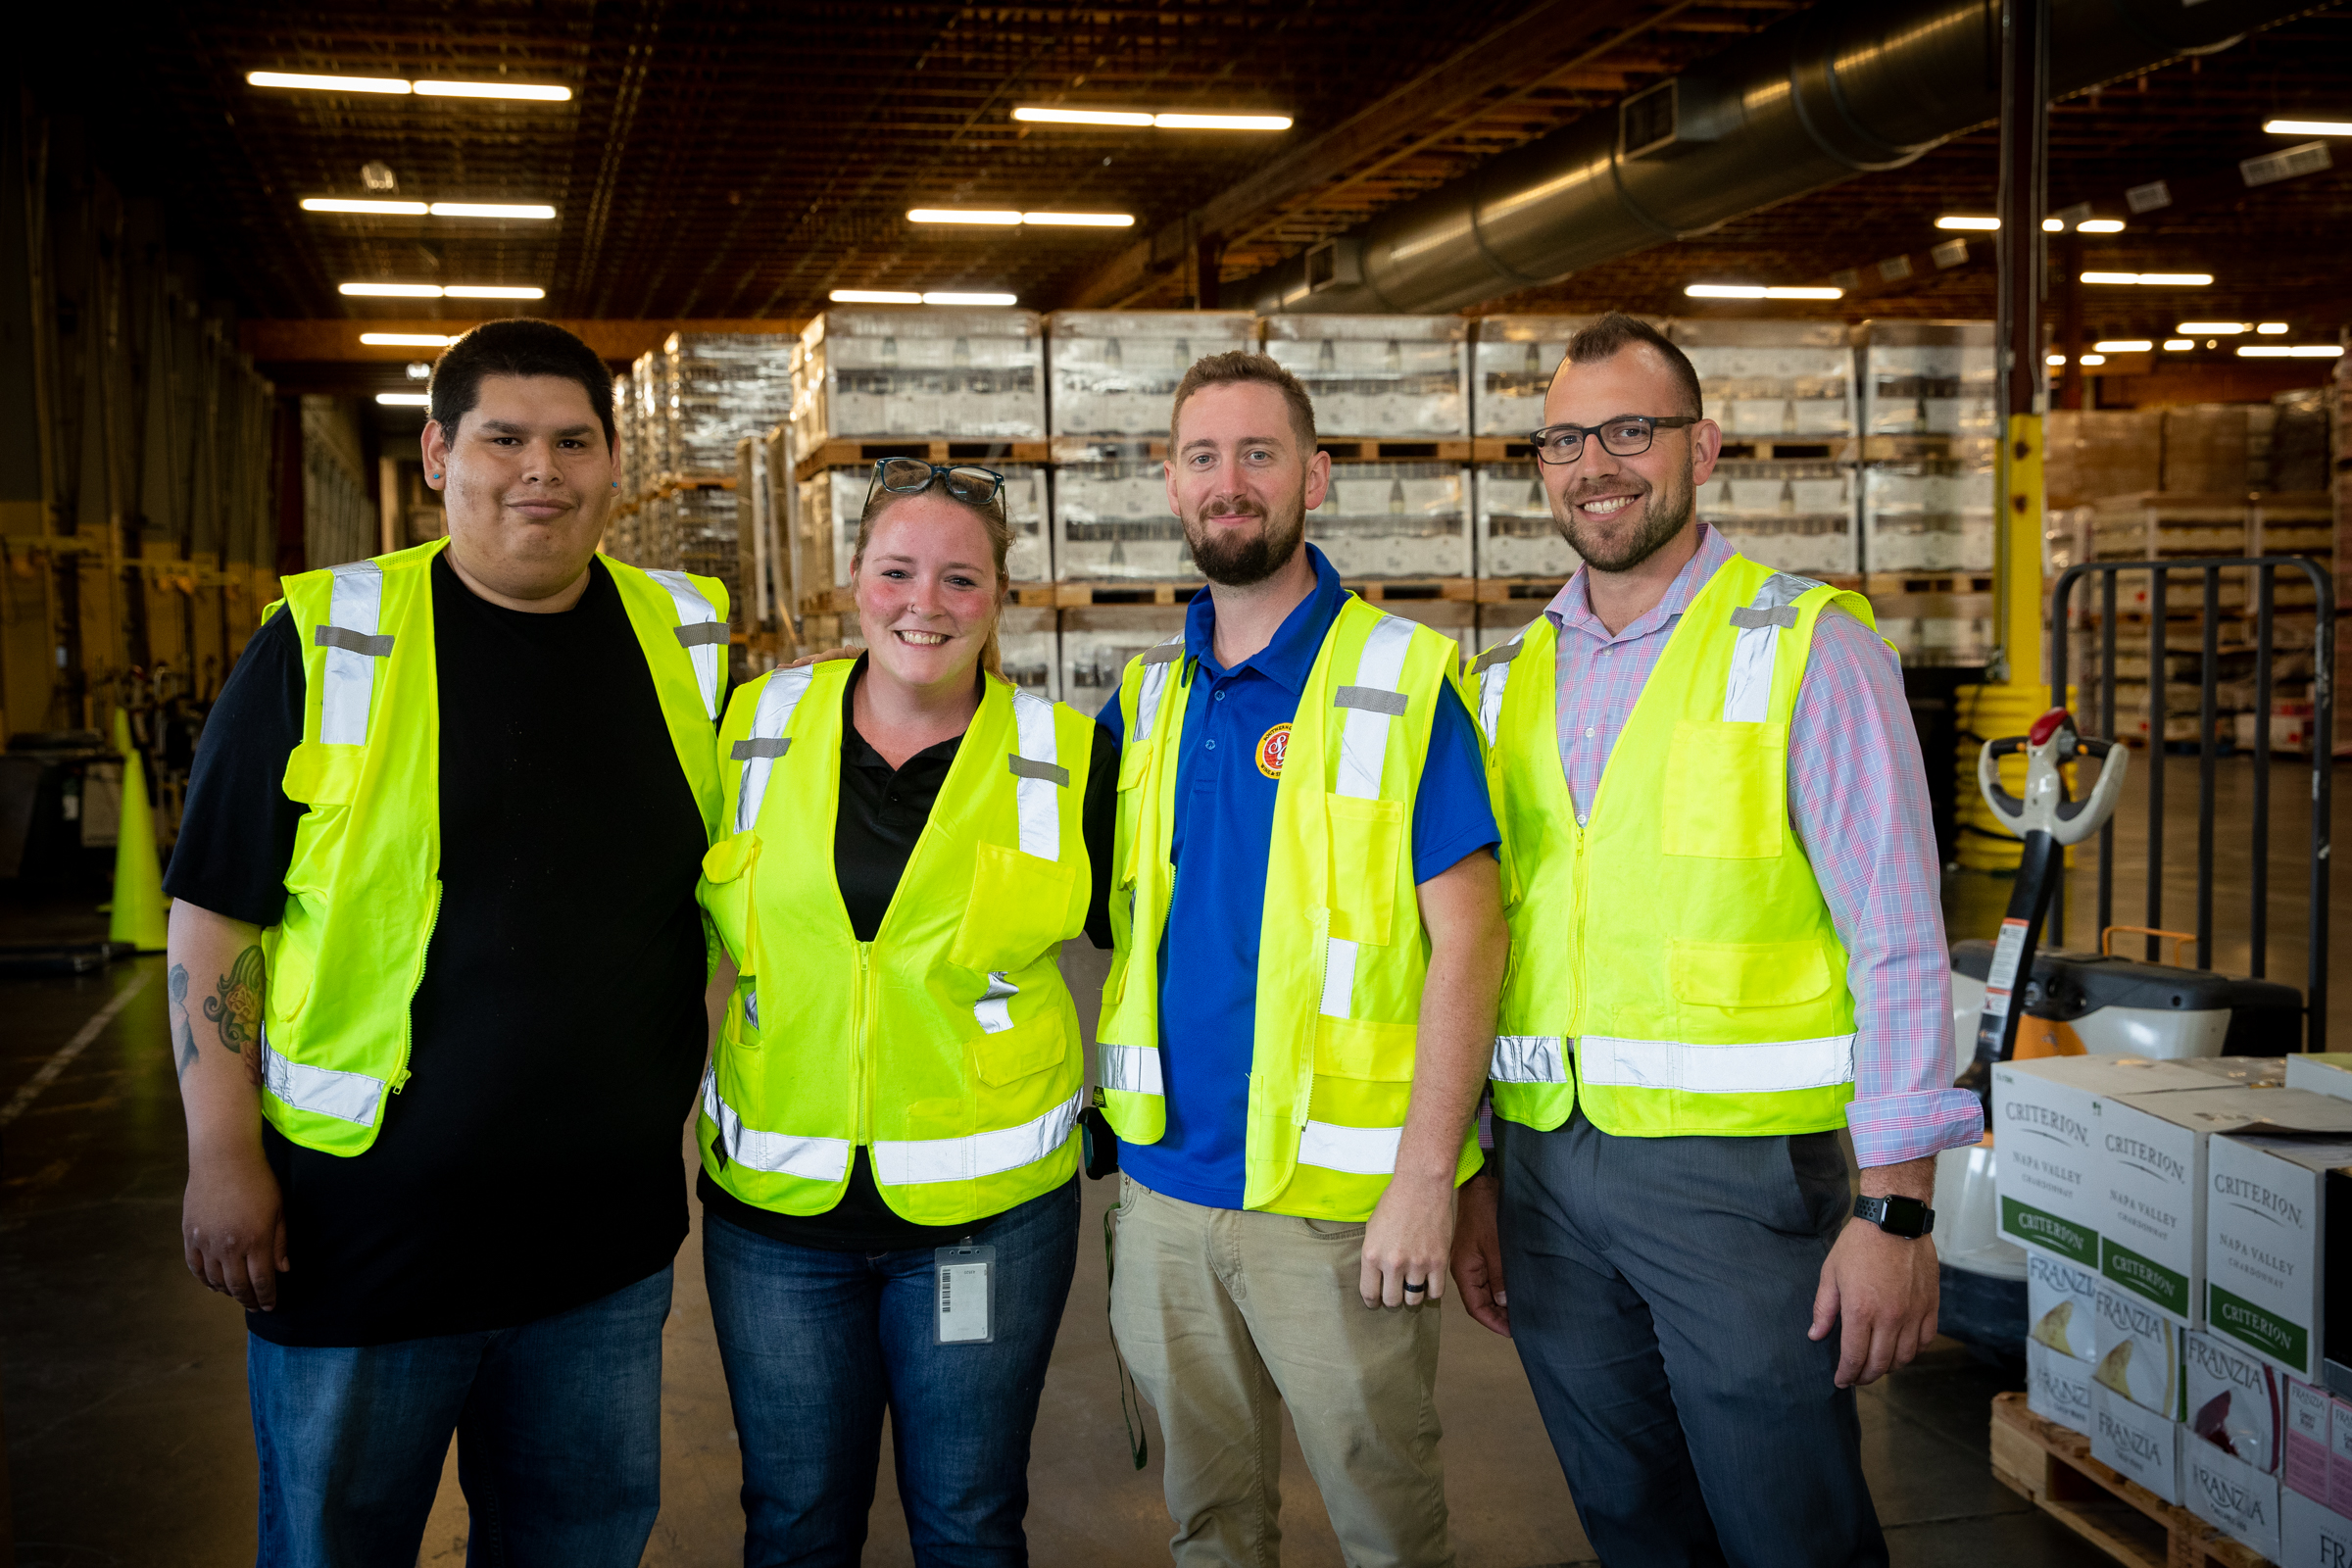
(490, 1254)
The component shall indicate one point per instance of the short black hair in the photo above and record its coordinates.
(517, 346)
(1615, 332)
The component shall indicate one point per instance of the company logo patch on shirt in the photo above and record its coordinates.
(1271, 747)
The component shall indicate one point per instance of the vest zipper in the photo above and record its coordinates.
(408, 1036)
(860, 1057)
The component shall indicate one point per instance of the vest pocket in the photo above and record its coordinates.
(1366, 838)
(1013, 1053)
(1358, 1047)
(322, 773)
(1748, 974)
(1018, 908)
(1726, 791)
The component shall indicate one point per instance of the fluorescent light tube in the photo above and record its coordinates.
(405, 400)
(312, 84)
(950, 215)
(1082, 117)
(1081, 219)
(2053, 226)
(2094, 359)
(1961, 220)
(1758, 291)
(2153, 279)
(2124, 345)
(494, 89)
(2270, 329)
(2308, 127)
(872, 296)
(406, 340)
(2210, 328)
(2177, 344)
(1222, 121)
(2100, 226)
(2288, 350)
(394, 291)
(2054, 360)
(348, 203)
(492, 210)
(948, 297)
(494, 291)
(1804, 293)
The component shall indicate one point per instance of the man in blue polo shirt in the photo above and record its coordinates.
(1301, 1009)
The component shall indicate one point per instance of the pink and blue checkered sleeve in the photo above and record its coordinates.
(1859, 799)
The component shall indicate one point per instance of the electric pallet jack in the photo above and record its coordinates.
(2011, 1002)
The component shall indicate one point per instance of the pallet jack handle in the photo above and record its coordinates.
(2048, 821)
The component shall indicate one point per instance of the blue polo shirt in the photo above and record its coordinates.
(1226, 779)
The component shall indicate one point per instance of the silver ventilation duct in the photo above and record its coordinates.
(1847, 87)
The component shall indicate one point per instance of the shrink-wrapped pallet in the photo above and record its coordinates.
(1395, 520)
(971, 374)
(1115, 372)
(1391, 376)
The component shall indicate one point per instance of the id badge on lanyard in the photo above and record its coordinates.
(967, 1296)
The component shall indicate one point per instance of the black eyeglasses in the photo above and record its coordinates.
(908, 477)
(1626, 436)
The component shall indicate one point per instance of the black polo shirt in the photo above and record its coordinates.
(881, 815)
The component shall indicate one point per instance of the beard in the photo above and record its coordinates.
(1664, 514)
(1241, 560)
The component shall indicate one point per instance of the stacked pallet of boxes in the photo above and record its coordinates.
(1392, 405)
(1782, 491)
(2148, 1195)
(948, 385)
(717, 388)
(1928, 442)
(1522, 556)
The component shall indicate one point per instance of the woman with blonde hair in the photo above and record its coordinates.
(889, 1164)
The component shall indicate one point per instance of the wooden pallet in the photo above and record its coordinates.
(846, 453)
(1790, 448)
(2052, 1468)
(1401, 448)
(1926, 583)
(1923, 447)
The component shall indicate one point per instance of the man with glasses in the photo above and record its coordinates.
(1728, 945)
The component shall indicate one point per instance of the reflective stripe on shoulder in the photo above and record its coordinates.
(1357, 1150)
(814, 1159)
(1128, 1069)
(777, 699)
(1156, 663)
(351, 1097)
(353, 644)
(1529, 1060)
(912, 1162)
(1747, 691)
(1036, 786)
(1765, 1068)
(700, 632)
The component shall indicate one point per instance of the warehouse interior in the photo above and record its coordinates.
(807, 236)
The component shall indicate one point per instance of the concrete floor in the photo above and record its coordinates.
(124, 1381)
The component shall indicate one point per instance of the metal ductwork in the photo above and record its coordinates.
(1848, 87)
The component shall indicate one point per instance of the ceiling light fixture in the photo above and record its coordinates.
(494, 291)
(2053, 226)
(1959, 221)
(2269, 328)
(2308, 127)
(2056, 360)
(2125, 345)
(872, 296)
(1006, 219)
(2210, 328)
(314, 84)
(1080, 220)
(2100, 226)
(535, 210)
(1034, 114)
(2288, 350)
(405, 400)
(529, 91)
(395, 291)
(2093, 359)
(1758, 291)
(406, 340)
(949, 296)
(950, 215)
(2153, 279)
(345, 204)
(2176, 344)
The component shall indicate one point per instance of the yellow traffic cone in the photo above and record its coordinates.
(138, 913)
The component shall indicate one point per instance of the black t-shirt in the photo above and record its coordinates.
(530, 1163)
(880, 817)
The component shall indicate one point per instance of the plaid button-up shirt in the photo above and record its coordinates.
(1858, 801)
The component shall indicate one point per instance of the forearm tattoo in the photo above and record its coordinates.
(183, 1035)
(235, 1010)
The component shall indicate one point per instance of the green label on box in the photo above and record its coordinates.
(2257, 1328)
(2078, 1244)
(2144, 1277)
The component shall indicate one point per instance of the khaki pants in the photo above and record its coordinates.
(1222, 1313)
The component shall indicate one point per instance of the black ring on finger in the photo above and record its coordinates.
(1411, 1288)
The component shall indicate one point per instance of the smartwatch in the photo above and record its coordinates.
(1907, 1218)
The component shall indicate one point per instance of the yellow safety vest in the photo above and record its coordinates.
(1342, 952)
(365, 884)
(948, 1045)
(1675, 938)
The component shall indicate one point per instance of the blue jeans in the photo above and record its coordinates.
(819, 1344)
(559, 1428)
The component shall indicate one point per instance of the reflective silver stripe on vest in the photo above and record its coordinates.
(1747, 692)
(1494, 673)
(1772, 1067)
(916, 1162)
(994, 1009)
(1357, 1150)
(695, 611)
(351, 1097)
(813, 1159)
(355, 607)
(1035, 793)
(777, 699)
(1129, 1069)
(1529, 1060)
(1363, 755)
(1156, 661)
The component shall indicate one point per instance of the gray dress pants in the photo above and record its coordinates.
(1660, 1289)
